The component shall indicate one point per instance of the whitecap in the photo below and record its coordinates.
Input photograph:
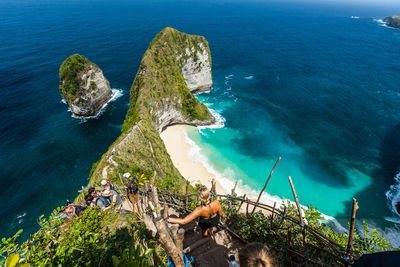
(381, 23)
(229, 77)
(20, 218)
(354, 17)
(115, 94)
(393, 195)
(219, 123)
(249, 77)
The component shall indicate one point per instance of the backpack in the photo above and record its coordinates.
(79, 210)
(105, 201)
(110, 198)
(132, 186)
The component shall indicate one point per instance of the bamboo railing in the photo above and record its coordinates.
(340, 253)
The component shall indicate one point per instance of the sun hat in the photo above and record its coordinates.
(106, 193)
(127, 175)
(103, 182)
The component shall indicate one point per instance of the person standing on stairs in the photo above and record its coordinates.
(209, 213)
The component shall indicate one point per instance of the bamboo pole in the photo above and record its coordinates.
(234, 188)
(299, 210)
(283, 217)
(231, 198)
(186, 194)
(272, 214)
(266, 183)
(241, 203)
(247, 207)
(213, 187)
(352, 225)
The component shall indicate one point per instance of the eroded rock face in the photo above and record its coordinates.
(83, 86)
(196, 69)
(393, 21)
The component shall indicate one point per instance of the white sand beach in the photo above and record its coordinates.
(178, 148)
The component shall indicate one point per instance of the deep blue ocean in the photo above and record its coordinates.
(304, 81)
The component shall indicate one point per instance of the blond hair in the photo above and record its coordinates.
(255, 255)
(204, 195)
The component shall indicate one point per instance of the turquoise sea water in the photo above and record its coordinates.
(304, 81)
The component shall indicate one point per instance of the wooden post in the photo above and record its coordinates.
(241, 203)
(247, 207)
(352, 225)
(299, 210)
(234, 188)
(213, 187)
(166, 240)
(187, 193)
(283, 217)
(266, 183)
(272, 214)
(231, 200)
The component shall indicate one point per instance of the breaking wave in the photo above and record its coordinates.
(115, 94)
(393, 196)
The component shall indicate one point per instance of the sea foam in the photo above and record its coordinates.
(382, 23)
(227, 178)
(115, 94)
(393, 195)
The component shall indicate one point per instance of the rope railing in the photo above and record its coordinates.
(340, 252)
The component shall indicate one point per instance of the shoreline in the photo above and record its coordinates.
(178, 148)
(196, 171)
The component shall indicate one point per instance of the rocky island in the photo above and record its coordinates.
(83, 86)
(393, 21)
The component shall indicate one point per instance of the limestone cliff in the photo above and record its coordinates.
(196, 68)
(83, 86)
(393, 21)
(175, 64)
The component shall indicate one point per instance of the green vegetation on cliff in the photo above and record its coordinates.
(158, 89)
(160, 79)
(69, 80)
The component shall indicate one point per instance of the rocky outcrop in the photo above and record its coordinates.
(174, 64)
(83, 86)
(196, 69)
(393, 21)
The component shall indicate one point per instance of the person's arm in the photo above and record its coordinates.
(193, 215)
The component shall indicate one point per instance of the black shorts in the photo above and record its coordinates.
(205, 224)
